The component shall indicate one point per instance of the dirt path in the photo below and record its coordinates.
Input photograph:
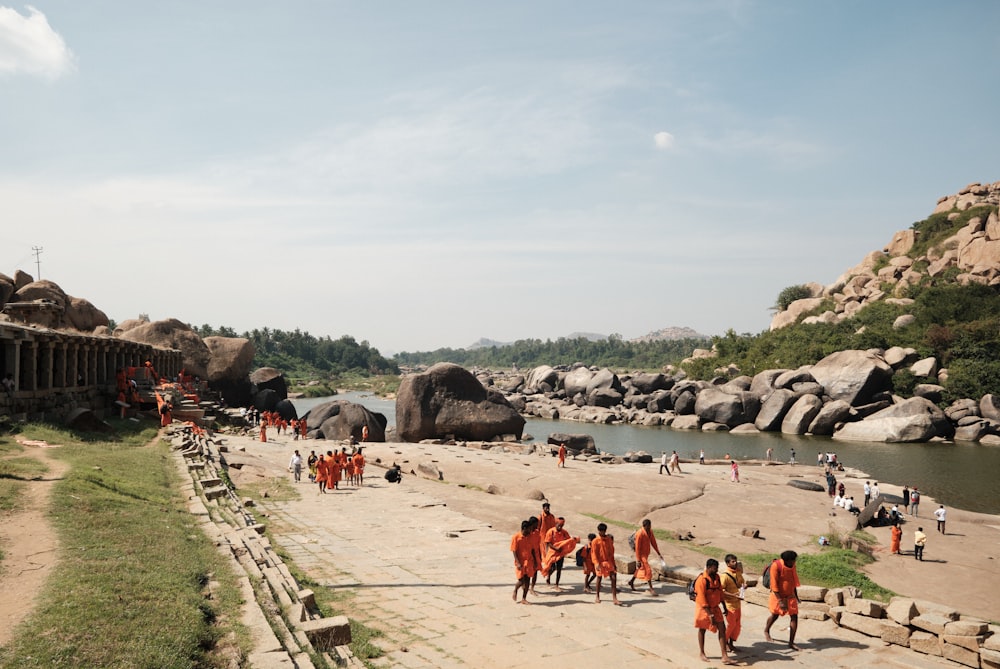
(29, 542)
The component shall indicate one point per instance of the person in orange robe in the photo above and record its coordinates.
(303, 428)
(562, 455)
(359, 467)
(602, 552)
(784, 599)
(733, 585)
(120, 381)
(364, 433)
(336, 469)
(536, 545)
(644, 542)
(708, 615)
(524, 560)
(547, 520)
(263, 432)
(165, 414)
(558, 544)
(348, 464)
(322, 472)
(588, 564)
(897, 535)
(294, 425)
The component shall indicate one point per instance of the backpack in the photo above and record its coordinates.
(765, 578)
(631, 541)
(692, 595)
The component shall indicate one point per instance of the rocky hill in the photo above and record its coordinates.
(960, 242)
(670, 333)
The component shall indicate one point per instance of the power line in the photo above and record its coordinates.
(37, 250)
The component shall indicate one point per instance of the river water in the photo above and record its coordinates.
(959, 475)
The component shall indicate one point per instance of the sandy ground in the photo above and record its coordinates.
(701, 501)
(30, 545)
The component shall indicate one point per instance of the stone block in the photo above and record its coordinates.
(923, 606)
(966, 628)
(308, 599)
(210, 483)
(993, 640)
(813, 614)
(865, 607)
(811, 593)
(895, 633)
(969, 658)
(326, 633)
(297, 613)
(834, 597)
(215, 493)
(989, 657)
(901, 609)
(930, 622)
(970, 642)
(863, 624)
(925, 642)
(836, 612)
(758, 596)
(624, 565)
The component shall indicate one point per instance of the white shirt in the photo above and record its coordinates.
(296, 461)
(875, 491)
(939, 514)
(868, 489)
(848, 504)
(663, 459)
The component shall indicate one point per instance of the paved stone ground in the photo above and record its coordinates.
(439, 584)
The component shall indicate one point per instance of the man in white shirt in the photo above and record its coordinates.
(940, 515)
(875, 492)
(295, 466)
(868, 493)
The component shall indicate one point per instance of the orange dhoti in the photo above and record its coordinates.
(559, 551)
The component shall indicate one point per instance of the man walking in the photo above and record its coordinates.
(602, 552)
(915, 502)
(784, 599)
(707, 614)
(919, 539)
(663, 464)
(295, 466)
(733, 585)
(675, 463)
(868, 493)
(524, 560)
(644, 542)
(558, 544)
(940, 514)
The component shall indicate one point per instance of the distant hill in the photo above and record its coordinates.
(670, 333)
(589, 336)
(484, 342)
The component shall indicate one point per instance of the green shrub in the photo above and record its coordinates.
(790, 294)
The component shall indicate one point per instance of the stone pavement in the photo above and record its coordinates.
(439, 584)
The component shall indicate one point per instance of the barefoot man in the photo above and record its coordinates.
(524, 560)
(644, 542)
(784, 595)
(562, 455)
(708, 615)
(602, 552)
(558, 544)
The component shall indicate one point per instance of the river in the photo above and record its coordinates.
(956, 475)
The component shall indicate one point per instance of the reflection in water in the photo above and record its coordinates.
(958, 475)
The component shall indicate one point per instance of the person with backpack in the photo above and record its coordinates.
(783, 582)
(708, 615)
(733, 587)
(643, 543)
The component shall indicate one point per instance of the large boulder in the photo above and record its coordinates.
(912, 420)
(447, 400)
(714, 406)
(349, 420)
(81, 315)
(41, 290)
(650, 383)
(763, 383)
(171, 333)
(229, 368)
(575, 443)
(604, 379)
(773, 410)
(801, 414)
(6, 289)
(541, 378)
(576, 381)
(269, 378)
(853, 376)
(832, 413)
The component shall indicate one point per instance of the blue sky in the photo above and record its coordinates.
(422, 174)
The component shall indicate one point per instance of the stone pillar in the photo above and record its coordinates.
(28, 378)
(46, 365)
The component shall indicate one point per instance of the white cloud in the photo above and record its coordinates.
(663, 140)
(28, 45)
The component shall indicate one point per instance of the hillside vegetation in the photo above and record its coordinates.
(526, 353)
(957, 323)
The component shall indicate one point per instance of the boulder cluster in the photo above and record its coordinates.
(846, 395)
(44, 303)
(972, 254)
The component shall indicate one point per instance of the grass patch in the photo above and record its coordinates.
(336, 603)
(132, 585)
(277, 489)
(22, 468)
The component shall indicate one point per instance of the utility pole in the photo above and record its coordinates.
(38, 261)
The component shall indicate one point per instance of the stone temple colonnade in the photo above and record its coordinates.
(56, 371)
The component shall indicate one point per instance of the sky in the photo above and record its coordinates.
(423, 174)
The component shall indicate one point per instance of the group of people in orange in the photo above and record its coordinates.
(328, 470)
(272, 419)
(543, 542)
